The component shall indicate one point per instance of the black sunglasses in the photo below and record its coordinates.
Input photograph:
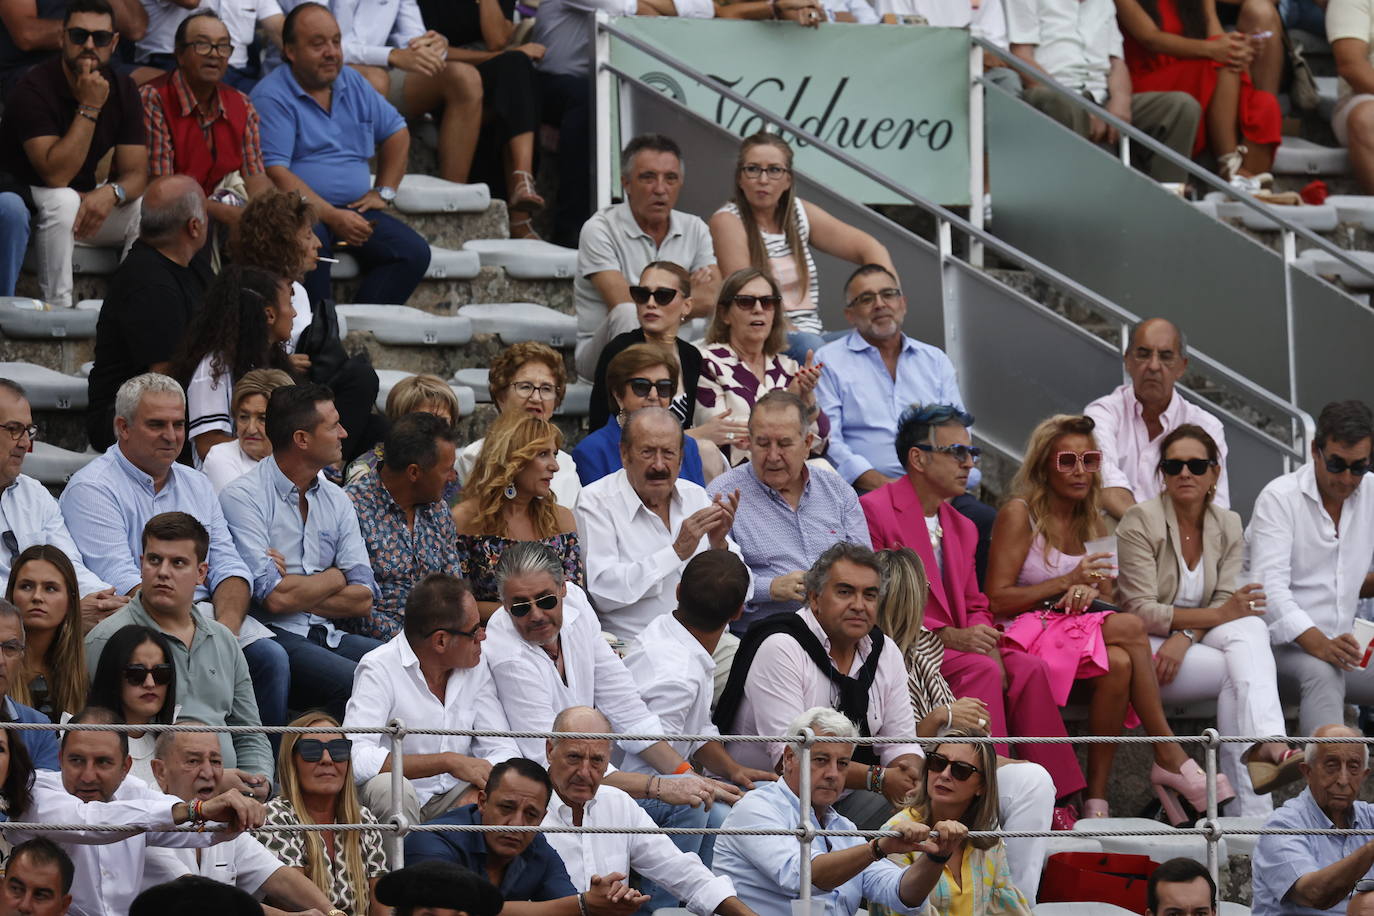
(747, 303)
(312, 749)
(543, 602)
(1196, 466)
(1338, 465)
(136, 675)
(470, 634)
(641, 387)
(101, 37)
(661, 295)
(936, 763)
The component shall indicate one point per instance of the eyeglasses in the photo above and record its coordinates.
(959, 453)
(206, 48)
(661, 295)
(17, 431)
(640, 387)
(747, 303)
(866, 300)
(772, 171)
(1172, 467)
(137, 675)
(101, 37)
(11, 648)
(529, 389)
(1088, 461)
(312, 750)
(543, 602)
(936, 763)
(470, 634)
(1335, 464)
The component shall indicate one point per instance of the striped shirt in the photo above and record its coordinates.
(161, 154)
(801, 308)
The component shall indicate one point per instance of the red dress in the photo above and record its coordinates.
(1260, 120)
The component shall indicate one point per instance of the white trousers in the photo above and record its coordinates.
(624, 317)
(1025, 801)
(53, 241)
(1235, 666)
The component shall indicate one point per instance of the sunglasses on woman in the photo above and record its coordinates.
(1172, 467)
(661, 295)
(961, 771)
(747, 303)
(1088, 461)
(312, 749)
(136, 675)
(640, 387)
(543, 602)
(1335, 464)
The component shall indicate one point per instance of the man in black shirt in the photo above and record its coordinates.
(151, 298)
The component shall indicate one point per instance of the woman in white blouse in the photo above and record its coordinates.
(228, 461)
(1180, 556)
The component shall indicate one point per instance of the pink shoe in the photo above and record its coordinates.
(1190, 782)
(1064, 817)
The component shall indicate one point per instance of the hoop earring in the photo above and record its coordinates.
(509, 491)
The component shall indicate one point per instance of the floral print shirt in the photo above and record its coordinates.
(479, 554)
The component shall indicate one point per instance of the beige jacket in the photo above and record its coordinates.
(1148, 542)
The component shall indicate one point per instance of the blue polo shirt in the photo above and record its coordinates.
(537, 874)
(328, 150)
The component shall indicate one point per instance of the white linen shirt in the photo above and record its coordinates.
(371, 28)
(533, 693)
(1074, 40)
(240, 17)
(652, 855)
(784, 682)
(243, 862)
(676, 677)
(632, 568)
(389, 684)
(1130, 459)
(29, 511)
(1311, 572)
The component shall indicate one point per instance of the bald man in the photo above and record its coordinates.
(1135, 417)
(1317, 874)
(151, 299)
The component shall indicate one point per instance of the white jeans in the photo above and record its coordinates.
(1235, 666)
(1025, 801)
(53, 240)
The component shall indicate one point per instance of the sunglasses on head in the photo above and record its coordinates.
(101, 37)
(641, 387)
(1172, 467)
(543, 602)
(136, 675)
(747, 303)
(1088, 461)
(937, 762)
(1335, 464)
(661, 295)
(312, 749)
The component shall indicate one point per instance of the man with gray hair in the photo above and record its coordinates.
(151, 298)
(1297, 874)
(765, 868)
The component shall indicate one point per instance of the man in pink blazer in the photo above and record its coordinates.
(913, 511)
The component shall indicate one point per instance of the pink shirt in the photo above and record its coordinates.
(1130, 459)
(784, 682)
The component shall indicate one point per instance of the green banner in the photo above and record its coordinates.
(894, 97)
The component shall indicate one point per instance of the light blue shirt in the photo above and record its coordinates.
(29, 512)
(864, 402)
(107, 503)
(263, 509)
(766, 870)
(1279, 861)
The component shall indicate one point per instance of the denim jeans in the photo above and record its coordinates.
(798, 342)
(270, 668)
(14, 239)
(666, 815)
(322, 677)
(392, 262)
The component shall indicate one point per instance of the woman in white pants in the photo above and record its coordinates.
(1180, 560)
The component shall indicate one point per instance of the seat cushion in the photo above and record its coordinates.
(31, 319)
(47, 389)
(406, 326)
(526, 259)
(514, 322)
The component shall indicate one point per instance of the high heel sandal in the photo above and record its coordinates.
(525, 197)
(1266, 776)
(1190, 783)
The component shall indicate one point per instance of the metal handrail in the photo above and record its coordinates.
(1210, 179)
(1213, 368)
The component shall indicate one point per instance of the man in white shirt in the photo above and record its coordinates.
(1310, 540)
(577, 768)
(1133, 419)
(641, 525)
(157, 49)
(38, 880)
(433, 674)
(189, 765)
(28, 513)
(1078, 45)
(616, 244)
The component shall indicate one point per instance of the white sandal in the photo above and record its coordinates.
(525, 197)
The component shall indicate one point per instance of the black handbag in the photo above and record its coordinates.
(323, 343)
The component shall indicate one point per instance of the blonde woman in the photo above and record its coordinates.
(423, 393)
(509, 498)
(226, 462)
(317, 788)
(959, 783)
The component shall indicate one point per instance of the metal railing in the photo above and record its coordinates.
(398, 826)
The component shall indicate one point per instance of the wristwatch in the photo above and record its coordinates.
(1363, 886)
(1191, 634)
(120, 194)
(385, 193)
